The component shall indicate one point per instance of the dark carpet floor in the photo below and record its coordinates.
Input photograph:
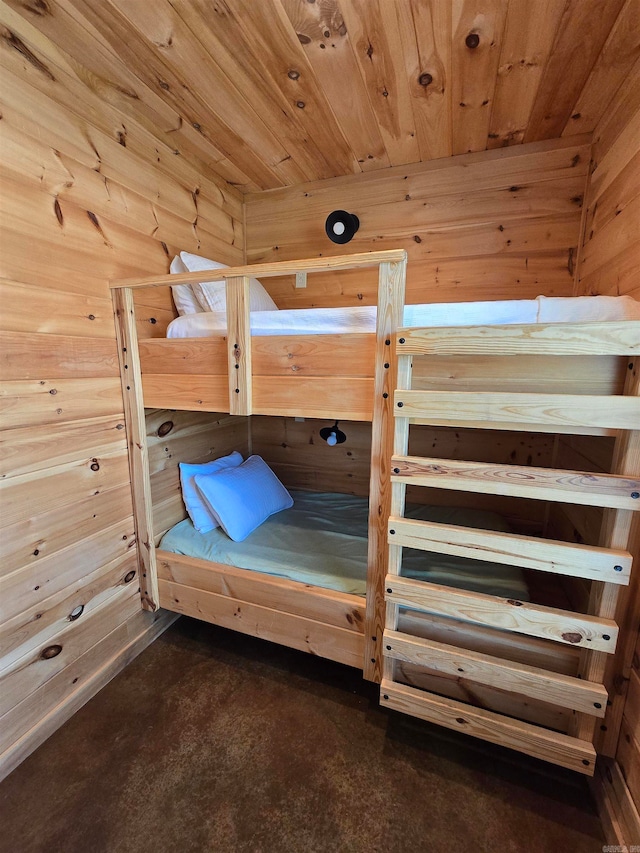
(212, 741)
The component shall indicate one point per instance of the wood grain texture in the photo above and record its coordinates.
(503, 226)
(547, 413)
(272, 94)
(485, 669)
(496, 728)
(579, 40)
(96, 184)
(613, 187)
(527, 41)
(275, 625)
(521, 617)
(477, 31)
(575, 487)
(528, 552)
(610, 255)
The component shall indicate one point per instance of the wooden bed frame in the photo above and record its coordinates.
(523, 675)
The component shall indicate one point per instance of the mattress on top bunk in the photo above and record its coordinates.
(326, 321)
(322, 541)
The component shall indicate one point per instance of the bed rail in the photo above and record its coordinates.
(239, 388)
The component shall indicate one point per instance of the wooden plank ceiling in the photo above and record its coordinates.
(278, 92)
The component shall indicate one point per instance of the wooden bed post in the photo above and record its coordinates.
(131, 378)
(239, 345)
(620, 529)
(391, 291)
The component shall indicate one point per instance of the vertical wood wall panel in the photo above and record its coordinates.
(501, 225)
(610, 264)
(88, 193)
(610, 254)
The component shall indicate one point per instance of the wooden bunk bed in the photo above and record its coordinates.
(488, 666)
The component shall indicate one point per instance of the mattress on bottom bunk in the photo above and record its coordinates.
(325, 321)
(322, 541)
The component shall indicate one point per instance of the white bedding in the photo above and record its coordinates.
(325, 321)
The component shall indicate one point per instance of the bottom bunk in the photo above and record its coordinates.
(300, 578)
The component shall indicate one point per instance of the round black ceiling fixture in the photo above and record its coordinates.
(341, 226)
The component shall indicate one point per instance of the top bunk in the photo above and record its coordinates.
(236, 372)
(308, 362)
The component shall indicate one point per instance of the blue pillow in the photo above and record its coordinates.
(198, 511)
(242, 498)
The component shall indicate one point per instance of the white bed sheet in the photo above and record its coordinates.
(325, 321)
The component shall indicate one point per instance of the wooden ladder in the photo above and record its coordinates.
(607, 566)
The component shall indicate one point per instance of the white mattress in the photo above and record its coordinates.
(325, 321)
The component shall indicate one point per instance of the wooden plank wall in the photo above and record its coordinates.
(497, 225)
(610, 253)
(609, 263)
(89, 192)
(174, 437)
(303, 460)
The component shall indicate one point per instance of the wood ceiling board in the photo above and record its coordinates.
(304, 126)
(474, 69)
(375, 35)
(100, 68)
(332, 61)
(167, 37)
(613, 66)
(581, 35)
(147, 63)
(210, 84)
(529, 32)
(281, 56)
(425, 33)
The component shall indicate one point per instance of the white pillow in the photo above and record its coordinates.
(198, 511)
(242, 498)
(183, 296)
(212, 295)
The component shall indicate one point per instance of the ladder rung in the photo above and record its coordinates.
(603, 338)
(564, 413)
(533, 740)
(527, 552)
(576, 487)
(563, 626)
(574, 693)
